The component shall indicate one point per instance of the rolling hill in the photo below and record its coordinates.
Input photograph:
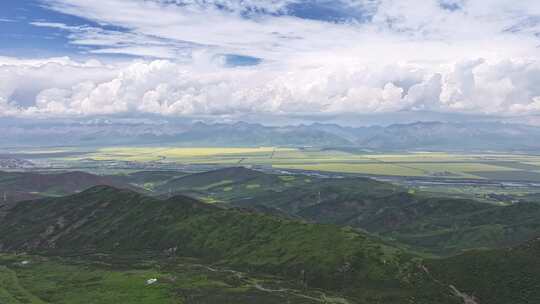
(207, 180)
(226, 184)
(19, 186)
(502, 276)
(108, 223)
(437, 225)
(108, 220)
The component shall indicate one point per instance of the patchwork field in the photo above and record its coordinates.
(518, 167)
(367, 168)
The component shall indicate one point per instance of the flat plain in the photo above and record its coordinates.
(488, 166)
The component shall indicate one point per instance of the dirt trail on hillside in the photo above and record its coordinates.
(322, 298)
(466, 298)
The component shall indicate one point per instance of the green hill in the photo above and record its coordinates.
(441, 226)
(125, 230)
(141, 177)
(494, 276)
(220, 179)
(104, 279)
(19, 186)
(149, 180)
(108, 220)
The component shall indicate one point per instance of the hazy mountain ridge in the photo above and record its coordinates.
(454, 136)
(414, 136)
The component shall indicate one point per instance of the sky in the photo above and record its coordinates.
(229, 59)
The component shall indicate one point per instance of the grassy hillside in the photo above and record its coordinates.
(105, 279)
(19, 186)
(104, 243)
(228, 183)
(494, 276)
(108, 220)
(441, 226)
(11, 291)
(145, 177)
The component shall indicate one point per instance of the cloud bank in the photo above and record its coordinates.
(208, 88)
(312, 57)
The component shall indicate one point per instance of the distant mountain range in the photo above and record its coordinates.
(442, 136)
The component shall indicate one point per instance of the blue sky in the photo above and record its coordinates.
(228, 58)
(20, 38)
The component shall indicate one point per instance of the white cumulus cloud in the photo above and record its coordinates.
(206, 87)
(478, 57)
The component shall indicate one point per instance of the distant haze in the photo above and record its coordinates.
(417, 136)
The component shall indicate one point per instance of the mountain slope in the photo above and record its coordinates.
(438, 225)
(208, 179)
(105, 219)
(496, 276)
(228, 184)
(453, 136)
(44, 184)
(360, 267)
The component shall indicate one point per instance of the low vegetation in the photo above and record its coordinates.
(242, 235)
(107, 220)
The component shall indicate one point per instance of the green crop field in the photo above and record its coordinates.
(514, 167)
(181, 154)
(370, 168)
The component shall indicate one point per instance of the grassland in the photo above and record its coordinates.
(104, 279)
(182, 154)
(514, 167)
(368, 168)
(107, 248)
(122, 223)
